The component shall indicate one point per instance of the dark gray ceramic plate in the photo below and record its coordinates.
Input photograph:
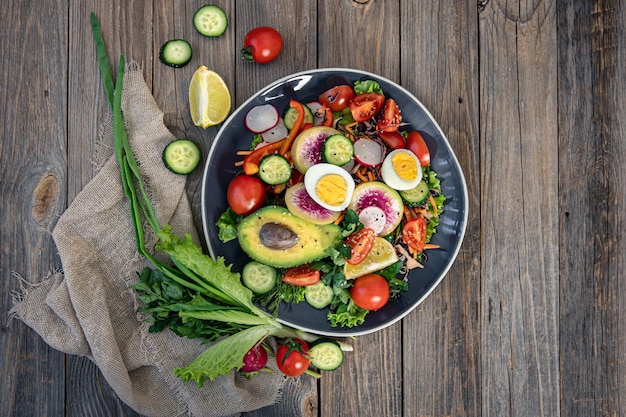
(304, 87)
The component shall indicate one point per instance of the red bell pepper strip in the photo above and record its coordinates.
(328, 116)
(252, 161)
(295, 129)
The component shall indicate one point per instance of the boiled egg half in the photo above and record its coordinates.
(329, 185)
(401, 170)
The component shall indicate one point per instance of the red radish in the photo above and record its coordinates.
(276, 133)
(374, 218)
(261, 118)
(255, 359)
(368, 152)
(317, 115)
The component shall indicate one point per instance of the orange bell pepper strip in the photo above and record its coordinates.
(295, 129)
(251, 162)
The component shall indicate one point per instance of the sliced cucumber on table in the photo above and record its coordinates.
(175, 53)
(182, 156)
(210, 21)
(326, 354)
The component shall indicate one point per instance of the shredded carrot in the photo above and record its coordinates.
(361, 176)
(279, 188)
(239, 163)
(340, 218)
(408, 213)
(432, 202)
(244, 153)
(431, 246)
(370, 176)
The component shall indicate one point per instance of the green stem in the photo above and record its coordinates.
(103, 60)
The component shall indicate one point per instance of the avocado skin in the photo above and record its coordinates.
(312, 239)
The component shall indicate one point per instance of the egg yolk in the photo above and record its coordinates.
(332, 189)
(405, 166)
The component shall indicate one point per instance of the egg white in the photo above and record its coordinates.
(391, 177)
(316, 172)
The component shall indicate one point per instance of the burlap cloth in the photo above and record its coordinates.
(87, 309)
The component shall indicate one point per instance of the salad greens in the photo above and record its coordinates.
(196, 296)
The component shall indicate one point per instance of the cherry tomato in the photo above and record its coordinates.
(255, 359)
(415, 142)
(370, 292)
(390, 117)
(366, 105)
(337, 98)
(301, 276)
(262, 44)
(414, 234)
(245, 194)
(360, 244)
(292, 357)
(393, 139)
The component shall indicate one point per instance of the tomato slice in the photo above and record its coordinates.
(301, 276)
(366, 105)
(337, 98)
(414, 234)
(390, 118)
(360, 244)
(415, 142)
(393, 139)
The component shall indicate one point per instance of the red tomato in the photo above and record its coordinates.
(370, 292)
(366, 105)
(327, 116)
(301, 276)
(415, 142)
(390, 117)
(393, 139)
(292, 357)
(245, 194)
(361, 244)
(262, 44)
(337, 98)
(414, 234)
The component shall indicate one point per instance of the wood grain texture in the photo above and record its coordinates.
(519, 267)
(591, 183)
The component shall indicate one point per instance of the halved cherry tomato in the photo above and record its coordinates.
(415, 142)
(245, 194)
(393, 139)
(360, 244)
(292, 357)
(390, 117)
(262, 44)
(370, 292)
(366, 105)
(301, 276)
(337, 98)
(414, 234)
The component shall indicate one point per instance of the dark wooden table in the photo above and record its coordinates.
(530, 321)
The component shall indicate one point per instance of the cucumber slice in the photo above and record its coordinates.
(291, 115)
(416, 195)
(338, 150)
(258, 277)
(175, 53)
(274, 169)
(182, 156)
(326, 354)
(210, 21)
(318, 295)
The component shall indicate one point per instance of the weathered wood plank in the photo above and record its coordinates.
(33, 186)
(519, 261)
(592, 200)
(367, 38)
(441, 343)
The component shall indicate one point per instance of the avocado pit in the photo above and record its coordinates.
(277, 236)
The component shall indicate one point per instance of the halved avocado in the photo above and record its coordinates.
(275, 237)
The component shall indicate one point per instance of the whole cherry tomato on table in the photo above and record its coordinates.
(262, 44)
(416, 144)
(370, 292)
(337, 98)
(292, 357)
(246, 194)
(365, 106)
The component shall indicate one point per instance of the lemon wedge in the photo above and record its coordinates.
(381, 256)
(209, 98)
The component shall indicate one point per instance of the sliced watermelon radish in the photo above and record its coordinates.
(276, 133)
(382, 196)
(261, 118)
(368, 152)
(318, 117)
(306, 150)
(300, 203)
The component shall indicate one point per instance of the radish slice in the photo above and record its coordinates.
(349, 166)
(374, 218)
(368, 152)
(261, 118)
(318, 117)
(276, 133)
